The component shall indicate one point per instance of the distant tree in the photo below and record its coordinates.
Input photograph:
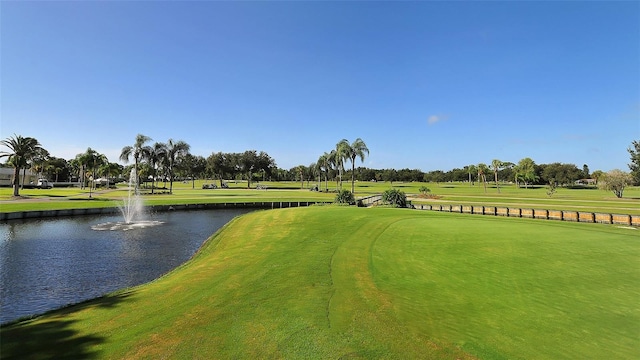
(59, 169)
(634, 165)
(39, 161)
(323, 163)
(301, 170)
(335, 162)
(525, 171)
(138, 151)
(585, 171)
(496, 165)
(341, 155)
(551, 188)
(110, 170)
(356, 149)
(616, 181)
(173, 151)
(156, 155)
(91, 161)
(265, 164)
(21, 149)
(190, 166)
(483, 169)
(472, 170)
(597, 175)
(219, 164)
(563, 174)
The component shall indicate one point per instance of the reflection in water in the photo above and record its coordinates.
(125, 226)
(49, 263)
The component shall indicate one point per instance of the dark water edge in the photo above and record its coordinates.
(46, 264)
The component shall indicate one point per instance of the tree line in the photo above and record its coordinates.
(167, 161)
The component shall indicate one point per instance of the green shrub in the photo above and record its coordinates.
(395, 197)
(424, 190)
(344, 197)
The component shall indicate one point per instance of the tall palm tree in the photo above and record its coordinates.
(174, 150)
(352, 151)
(155, 155)
(138, 151)
(341, 155)
(334, 162)
(472, 169)
(526, 171)
(91, 160)
(301, 169)
(109, 169)
(21, 149)
(496, 165)
(323, 163)
(483, 169)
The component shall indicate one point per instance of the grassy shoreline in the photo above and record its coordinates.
(331, 282)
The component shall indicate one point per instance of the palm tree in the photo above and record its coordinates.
(91, 160)
(155, 155)
(351, 151)
(138, 151)
(496, 165)
(110, 169)
(323, 163)
(483, 169)
(526, 171)
(471, 169)
(342, 154)
(301, 169)
(174, 150)
(21, 149)
(334, 162)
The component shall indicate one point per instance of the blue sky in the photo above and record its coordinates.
(427, 85)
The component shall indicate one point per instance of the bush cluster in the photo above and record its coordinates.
(344, 197)
(395, 197)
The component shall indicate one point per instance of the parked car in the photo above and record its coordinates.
(44, 184)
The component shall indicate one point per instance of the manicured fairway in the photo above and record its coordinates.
(342, 282)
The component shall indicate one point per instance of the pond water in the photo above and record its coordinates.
(49, 263)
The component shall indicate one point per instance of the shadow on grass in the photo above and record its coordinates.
(53, 336)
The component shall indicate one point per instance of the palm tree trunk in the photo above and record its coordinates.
(24, 175)
(353, 175)
(16, 181)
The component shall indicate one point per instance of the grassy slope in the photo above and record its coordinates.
(328, 282)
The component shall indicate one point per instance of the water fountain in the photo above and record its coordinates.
(132, 209)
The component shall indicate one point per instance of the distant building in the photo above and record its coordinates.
(6, 176)
(586, 182)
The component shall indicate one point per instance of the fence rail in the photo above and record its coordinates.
(532, 213)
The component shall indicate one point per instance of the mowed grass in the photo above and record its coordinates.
(585, 200)
(344, 282)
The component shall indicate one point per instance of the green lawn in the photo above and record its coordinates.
(344, 282)
(587, 200)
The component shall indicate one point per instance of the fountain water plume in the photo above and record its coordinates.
(132, 209)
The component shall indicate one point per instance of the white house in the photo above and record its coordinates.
(6, 176)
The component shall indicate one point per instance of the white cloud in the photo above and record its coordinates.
(436, 118)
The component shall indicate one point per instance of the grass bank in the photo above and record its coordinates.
(337, 282)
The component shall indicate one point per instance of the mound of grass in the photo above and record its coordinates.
(338, 282)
